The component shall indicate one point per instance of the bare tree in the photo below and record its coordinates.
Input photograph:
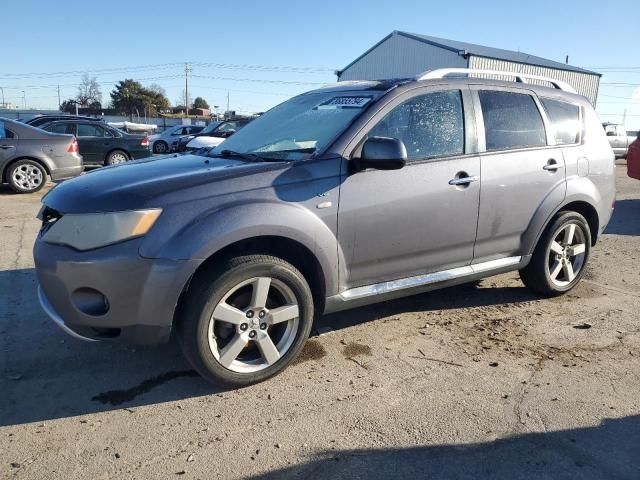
(89, 91)
(154, 87)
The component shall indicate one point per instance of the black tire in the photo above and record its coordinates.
(537, 275)
(115, 157)
(209, 288)
(160, 147)
(26, 176)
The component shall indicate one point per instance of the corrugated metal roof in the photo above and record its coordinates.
(481, 51)
(498, 53)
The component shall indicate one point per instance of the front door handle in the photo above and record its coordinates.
(6, 147)
(463, 180)
(552, 166)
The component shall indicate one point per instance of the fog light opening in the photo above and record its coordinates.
(90, 301)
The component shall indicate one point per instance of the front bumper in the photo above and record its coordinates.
(141, 294)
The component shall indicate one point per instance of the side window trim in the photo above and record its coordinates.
(481, 133)
(470, 146)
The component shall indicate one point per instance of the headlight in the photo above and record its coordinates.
(95, 230)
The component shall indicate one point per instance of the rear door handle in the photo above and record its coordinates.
(463, 180)
(6, 147)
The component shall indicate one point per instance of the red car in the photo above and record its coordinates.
(633, 159)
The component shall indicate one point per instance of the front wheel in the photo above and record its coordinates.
(160, 147)
(560, 258)
(245, 320)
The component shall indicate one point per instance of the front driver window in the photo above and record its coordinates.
(430, 125)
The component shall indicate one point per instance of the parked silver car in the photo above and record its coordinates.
(28, 154)
(161, 142)
(619, 139)
(351, 194)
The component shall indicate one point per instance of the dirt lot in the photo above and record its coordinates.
(480, 381)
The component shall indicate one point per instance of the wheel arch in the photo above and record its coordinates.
(116, 149)
(579, 205)
(287, 249)
(7, 166)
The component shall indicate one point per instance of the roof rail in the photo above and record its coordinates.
(520, 77)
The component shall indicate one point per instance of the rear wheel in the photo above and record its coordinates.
(246, 320)
(560, 258)
(160, 147)
(26, 176)
(116, 157)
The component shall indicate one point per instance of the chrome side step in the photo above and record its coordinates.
(407, 286)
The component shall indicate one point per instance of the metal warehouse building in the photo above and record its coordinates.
(402, 55)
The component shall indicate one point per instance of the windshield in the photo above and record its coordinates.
(300, 127)
(210, 128)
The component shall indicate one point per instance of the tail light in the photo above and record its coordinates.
(145, 142)
(73, 146)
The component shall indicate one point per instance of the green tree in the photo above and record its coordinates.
(200, 102)
(131, 97)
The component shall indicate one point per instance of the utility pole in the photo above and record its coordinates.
(227, 100)
(59, 97)
(4, 105)
(187, 69)
(24, 100)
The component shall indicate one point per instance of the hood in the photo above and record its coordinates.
(151, 183)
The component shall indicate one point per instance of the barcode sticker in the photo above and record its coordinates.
(345, 102)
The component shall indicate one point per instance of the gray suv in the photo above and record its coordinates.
(351, 194)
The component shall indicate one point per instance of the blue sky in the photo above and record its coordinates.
(65, 36)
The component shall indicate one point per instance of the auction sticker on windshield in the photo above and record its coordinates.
(345, 102)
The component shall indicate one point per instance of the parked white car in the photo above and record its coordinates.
(161, 142)
(212, 136)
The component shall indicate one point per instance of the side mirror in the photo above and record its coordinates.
(382, 153)
(611, 133)
(225, 134)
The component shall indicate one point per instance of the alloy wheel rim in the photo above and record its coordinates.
(28, 177)
(118, 158)
(253, 325)
(566, 255)
(161, 147)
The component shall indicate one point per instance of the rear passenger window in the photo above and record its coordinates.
(565, 119)
(430, 125)
(85, 130)
(511, 120)
(4, 132)
(58, 128)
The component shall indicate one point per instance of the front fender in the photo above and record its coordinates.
(215, 229)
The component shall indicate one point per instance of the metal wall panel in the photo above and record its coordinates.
(585, 84)
(401, 57)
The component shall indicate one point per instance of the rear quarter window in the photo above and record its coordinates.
(565, 120)
(511, 120)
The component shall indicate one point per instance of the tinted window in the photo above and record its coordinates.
(5, 132)
(511, 120)
(565, 119)
(86, 130)
(62, 128)
(430, 125)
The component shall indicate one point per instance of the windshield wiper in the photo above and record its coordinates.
(250, 157)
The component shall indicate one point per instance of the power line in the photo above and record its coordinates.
(228, 66)
(258, 80)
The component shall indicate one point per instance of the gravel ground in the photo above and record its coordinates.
(480, 381)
